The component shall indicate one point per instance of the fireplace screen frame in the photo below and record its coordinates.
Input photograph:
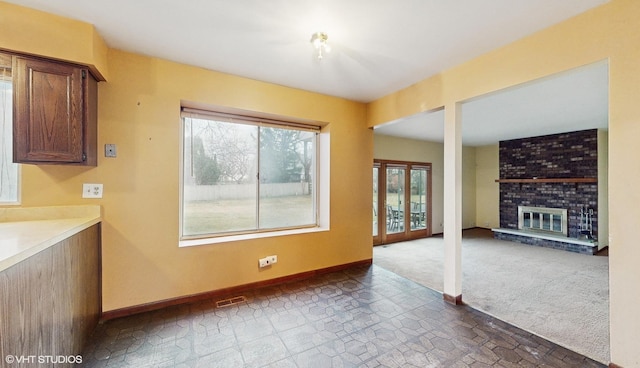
(549, 216)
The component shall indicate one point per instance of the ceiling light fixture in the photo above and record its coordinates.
(319, 42)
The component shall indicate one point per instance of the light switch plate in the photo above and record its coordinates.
(110, 150)
(91, 190)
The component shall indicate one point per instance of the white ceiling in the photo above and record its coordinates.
(378, 46)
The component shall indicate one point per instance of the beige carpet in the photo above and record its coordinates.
(558, 295)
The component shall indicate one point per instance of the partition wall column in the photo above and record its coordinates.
(452, 203)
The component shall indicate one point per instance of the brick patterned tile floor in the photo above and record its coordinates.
(363, 317)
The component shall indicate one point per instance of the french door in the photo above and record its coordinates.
(401, 201)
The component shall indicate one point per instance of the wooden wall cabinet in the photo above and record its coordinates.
(55, 113)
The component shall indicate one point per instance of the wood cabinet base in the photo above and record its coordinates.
(51, 302)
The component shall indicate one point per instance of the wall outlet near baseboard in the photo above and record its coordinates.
(267, 261)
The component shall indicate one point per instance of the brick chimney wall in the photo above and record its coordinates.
(565, 155)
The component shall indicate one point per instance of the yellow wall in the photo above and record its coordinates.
(612, 32)
(487, 190)
(468, 187)
(34, 32)
(139, 110)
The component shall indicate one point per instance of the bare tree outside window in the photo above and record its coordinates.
(233, 146)
(222, 164)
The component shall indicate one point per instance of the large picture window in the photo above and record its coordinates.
(243, 175)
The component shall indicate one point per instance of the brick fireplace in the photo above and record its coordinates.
(557, 173)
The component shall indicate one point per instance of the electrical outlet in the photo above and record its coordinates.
(267, 261)
(91, 190)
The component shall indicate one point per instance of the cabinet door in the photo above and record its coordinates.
(48, 115)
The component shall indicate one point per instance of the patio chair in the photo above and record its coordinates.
(392, 218)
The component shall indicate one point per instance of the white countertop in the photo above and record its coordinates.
(26, 231)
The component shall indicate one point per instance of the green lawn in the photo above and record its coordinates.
(206, 217)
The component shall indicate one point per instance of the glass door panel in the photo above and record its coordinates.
(401, 201)
(418, 199)
(395, 202)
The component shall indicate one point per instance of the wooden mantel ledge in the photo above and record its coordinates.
(549, 180)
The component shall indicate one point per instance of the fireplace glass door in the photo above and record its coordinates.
(542, 219)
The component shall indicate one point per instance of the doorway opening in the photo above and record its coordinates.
(401, 201)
